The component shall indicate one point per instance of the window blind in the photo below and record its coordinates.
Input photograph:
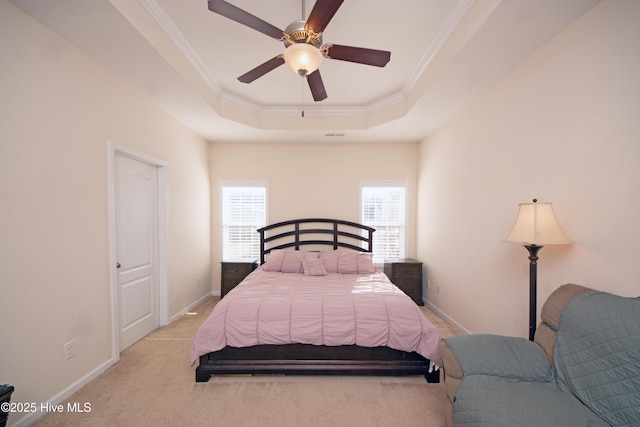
(243, 212)
(383, 208)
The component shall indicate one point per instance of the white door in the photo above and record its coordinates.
(136, 199)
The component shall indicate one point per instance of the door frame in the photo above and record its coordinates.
(163, 237)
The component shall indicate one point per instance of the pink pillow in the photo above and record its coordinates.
(274, 260)
(292, 262)
(313, 267)
(287, 261)
(330, 261)
(365, 263)
(348, 262)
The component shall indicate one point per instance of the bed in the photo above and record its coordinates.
(316, 305)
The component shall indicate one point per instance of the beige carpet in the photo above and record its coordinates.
(153, 384)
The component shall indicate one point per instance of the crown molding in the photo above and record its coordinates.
(232, 106)
(169, 27)
(441, 37)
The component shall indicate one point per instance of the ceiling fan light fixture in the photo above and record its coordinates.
(303, 58)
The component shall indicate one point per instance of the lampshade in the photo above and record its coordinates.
(536, 224)
(303, 58)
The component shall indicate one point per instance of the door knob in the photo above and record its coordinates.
(118, 265)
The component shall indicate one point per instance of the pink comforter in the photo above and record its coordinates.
(337, 309)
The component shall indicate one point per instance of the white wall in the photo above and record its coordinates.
(311, 180)
(58, 110)
(562, 127)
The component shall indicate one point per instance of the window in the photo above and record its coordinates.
(383, 208)
(244, 208)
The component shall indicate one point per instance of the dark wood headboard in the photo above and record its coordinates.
(312, 231)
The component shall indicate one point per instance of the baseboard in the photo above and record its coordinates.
(447, 317)
(64, 394)
(190, 307)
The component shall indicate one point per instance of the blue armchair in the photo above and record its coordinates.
(583, 368)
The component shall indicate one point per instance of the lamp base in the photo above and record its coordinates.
(533, 288)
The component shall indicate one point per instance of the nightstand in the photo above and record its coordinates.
(406, 273)
(234, 271)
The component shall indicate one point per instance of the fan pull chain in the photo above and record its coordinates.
(302, 96)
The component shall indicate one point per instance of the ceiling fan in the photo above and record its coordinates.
(303, 42)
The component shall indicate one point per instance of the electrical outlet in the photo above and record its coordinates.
(69, 349)
(197, 282)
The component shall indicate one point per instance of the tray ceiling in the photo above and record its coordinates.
(187, 60)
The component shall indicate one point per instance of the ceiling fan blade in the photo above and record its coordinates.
(321, 14)
(262, 69)
(378, 58)
(234, 13)
(316, 86)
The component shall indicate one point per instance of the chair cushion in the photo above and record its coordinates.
(483, 400)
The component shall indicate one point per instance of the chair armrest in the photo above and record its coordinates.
(507, 357)
(451, 377)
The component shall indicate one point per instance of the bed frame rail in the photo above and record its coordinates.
(306, 359)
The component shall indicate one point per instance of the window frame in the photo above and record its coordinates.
(404, 184)
(240, 184)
